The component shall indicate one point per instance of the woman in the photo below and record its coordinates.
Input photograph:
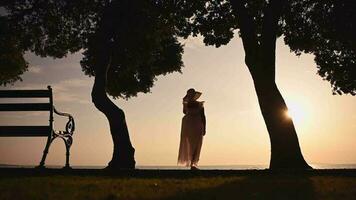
(193, 130)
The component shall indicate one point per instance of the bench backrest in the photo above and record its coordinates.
(6, 131)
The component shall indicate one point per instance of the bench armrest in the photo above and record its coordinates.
(70, 126)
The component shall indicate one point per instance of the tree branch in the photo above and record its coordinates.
(247, 30)
(272, 13)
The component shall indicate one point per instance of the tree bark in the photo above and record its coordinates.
(123, 153)
(285, 149)
(260, 60)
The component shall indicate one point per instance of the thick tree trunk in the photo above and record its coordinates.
(123, 153)
(260, 60)
(285, 150)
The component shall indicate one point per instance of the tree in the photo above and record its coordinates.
(126, 45)
(325, 29)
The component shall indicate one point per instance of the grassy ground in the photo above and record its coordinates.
(177, 185)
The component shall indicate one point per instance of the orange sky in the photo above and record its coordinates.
(236, 133)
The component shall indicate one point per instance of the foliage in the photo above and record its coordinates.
(325, 29)
(144, 44)
(12, 63)
(144, 35)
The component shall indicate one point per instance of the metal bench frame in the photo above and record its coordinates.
(37, 131)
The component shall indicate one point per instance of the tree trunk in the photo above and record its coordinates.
(260, 60)
(123, 153)
(285, 149)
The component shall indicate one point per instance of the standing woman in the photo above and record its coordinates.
(193, 129)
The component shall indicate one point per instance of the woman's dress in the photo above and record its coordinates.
(192, 132)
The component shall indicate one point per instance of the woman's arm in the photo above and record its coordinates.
(202, 114)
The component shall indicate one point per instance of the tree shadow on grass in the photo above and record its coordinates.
(255, 187)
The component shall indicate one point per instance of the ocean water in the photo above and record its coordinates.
(206, 167)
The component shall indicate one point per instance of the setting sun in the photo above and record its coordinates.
(296, 112)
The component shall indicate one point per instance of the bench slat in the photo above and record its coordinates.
(24, 131)
(25, 107)
(25, 93)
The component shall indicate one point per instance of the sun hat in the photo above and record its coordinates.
(192, 94)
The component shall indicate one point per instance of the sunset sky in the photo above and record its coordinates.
(236, 133)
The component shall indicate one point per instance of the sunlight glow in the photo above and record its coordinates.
(296, 113)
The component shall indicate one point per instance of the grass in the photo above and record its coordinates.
(186, 185)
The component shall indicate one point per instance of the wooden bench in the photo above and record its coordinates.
(37, 131)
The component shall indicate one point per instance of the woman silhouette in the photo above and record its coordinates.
(193, 129)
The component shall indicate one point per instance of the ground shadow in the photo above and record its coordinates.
(255, 187)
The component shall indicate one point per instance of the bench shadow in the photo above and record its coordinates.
(255, 187)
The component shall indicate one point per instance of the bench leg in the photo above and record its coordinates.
(68, 142)
(45, 151)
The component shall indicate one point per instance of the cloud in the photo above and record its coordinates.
(34, 70)
(30, 86)
(70, 90)
(193, 43)
(73, 83)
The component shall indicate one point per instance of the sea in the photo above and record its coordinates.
(203, 167)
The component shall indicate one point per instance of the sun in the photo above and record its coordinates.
(295, 112)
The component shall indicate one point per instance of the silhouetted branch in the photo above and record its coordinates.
(272, 13)
(247, 30)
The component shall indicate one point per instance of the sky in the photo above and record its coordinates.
(236, 133)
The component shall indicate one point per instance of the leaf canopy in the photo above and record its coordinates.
(144, 35)
(325, 29)
(144, 40)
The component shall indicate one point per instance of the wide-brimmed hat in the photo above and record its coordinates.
(192, 94)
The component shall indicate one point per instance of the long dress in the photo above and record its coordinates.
(192, 132)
